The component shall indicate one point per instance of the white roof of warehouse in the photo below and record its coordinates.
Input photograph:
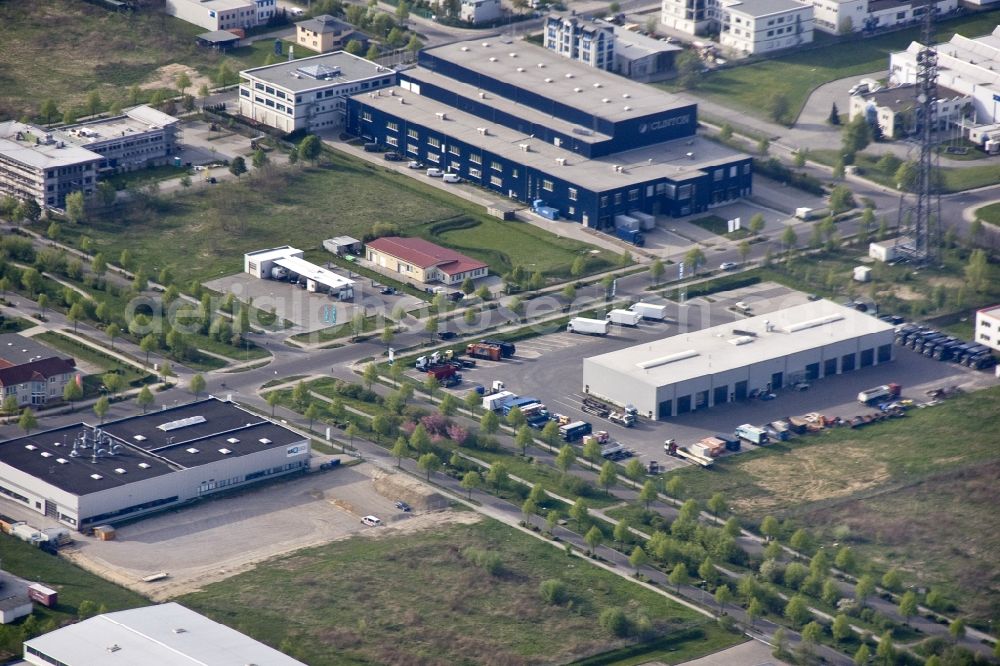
(718, 349)
(164, 635)
(311, 271)
(273, 253)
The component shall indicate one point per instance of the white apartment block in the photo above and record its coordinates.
(35, 164)
(967, 66)
(581, 39)
(480, 11)
(760, 26)
(694, 17)
(223, 14)
(843, 16)
(308, 93)
(988, 327)
(139, 138)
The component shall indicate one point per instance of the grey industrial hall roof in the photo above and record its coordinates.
(722, 348)
(492, 57)
(153, 444)
(162, 635)
(219, 37)
(288, 75)
(135, 121)
(323, 24)
(43, 155)
(663, 160)
(758, 8)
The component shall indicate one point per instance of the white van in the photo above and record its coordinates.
(371, 521)
(451, 178)
(435, 173)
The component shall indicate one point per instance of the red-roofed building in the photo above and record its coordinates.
(37, 382)
(423, 261)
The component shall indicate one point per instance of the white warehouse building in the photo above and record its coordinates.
(84, 475)
(727, 363)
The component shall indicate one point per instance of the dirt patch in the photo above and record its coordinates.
(402, 487)
(907, 293)
(813, 474)
(166, 77)
(950, 282)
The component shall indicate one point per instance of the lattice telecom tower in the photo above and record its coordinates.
(922, 216)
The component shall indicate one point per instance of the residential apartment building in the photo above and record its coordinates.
(760, 26)
(223, 14)
(895, 110)
(325, 33)
(423, 261)
(34, 163)
(588, 41)
(967, 66)
(988, 327)
(308, 93)
(480, 11)
(37, 382)
(523, 121)
(694, 17)
(844, 16)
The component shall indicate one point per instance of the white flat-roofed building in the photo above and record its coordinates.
(726, 363)
(477, 12)
(223, 14)
(35, 164)
(760, 26)
(139, 137)
(988, 327)
(162, 635)
(604, 45)
(308, 94)
(85, 475)
(966, 66)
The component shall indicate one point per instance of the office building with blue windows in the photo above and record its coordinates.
(521, 120)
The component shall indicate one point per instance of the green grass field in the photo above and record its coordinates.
(73, 584)
(133, 376)
(417, 599)
(204, 232)
(990, 214)
(891, 486)
(96, 49)
(752, 87)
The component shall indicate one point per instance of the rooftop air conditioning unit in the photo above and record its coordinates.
(626, 108)
(626, 95)
(492, 59)
(597, 85)
(525, 147)
(482, 130)
(605, 100)
(577, 89)
(569, 75)
(442, 115)
(520, 69)
(465, 48)
(690, 156)
(541, 65)
(482, 95)
(486, 45)
(561, 161)
(512, 54)
(548, 80)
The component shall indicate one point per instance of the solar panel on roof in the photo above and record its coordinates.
(180, 423)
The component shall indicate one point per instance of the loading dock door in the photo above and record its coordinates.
(867, 357)
(665, 410)
(777, 380)
(741, 391)
(721, 395)
(701, 400)
(829, 367)
(683, 404)
(812, 371)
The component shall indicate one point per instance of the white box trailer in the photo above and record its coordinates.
(650, 311)
(588, 326)
(624, 317)
(496, 401)
(647, 221)
(627, 222)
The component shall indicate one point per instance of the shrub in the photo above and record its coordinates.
(615, 622)
(488, 561)
(553, 591)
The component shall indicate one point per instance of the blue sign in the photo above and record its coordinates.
(996, 97)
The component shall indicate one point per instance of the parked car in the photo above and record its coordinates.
(729, 266)
(456, 296)
(447, 335)
(371, 521)
(451, 178)
(801, 386)
(434, 173)
(413, 164)
(392, 157)
(402, 506)
(387, 291)
(213, 180)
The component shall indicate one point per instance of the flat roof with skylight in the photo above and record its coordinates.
(730, 346)
(318, 71)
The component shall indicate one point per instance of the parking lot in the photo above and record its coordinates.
(549, 368)
(226, 535)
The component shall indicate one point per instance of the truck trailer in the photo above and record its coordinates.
(752, 434)
(496, 401)
(624, 317)
(650, 311)
(482, 350)
(507, 349)
(571, 432)
(588, 326)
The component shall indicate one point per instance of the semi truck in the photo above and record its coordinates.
(445, 373)
(46, 596)
(752, 434)
(624, 317)
(482, 350)
(650, 311)
(879, 393)
(671, 449)
(633, 236)
(520, 403)
(626, 417)
(588, 326)
(571, 432)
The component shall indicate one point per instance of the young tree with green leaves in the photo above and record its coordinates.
(28, 420)
(273, 398)
(608, 476)
(565, 458)
(144, 400)
(679, 576)
(523, 439)
(101, 407)
(648, 494)
(594, 537)
(471, 481)
(72, 392)
(429, 463)
(497, 476)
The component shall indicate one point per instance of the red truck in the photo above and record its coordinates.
(441, 372)
(481, 350)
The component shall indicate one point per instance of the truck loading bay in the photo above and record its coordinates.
(549, 368)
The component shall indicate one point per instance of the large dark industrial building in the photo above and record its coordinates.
(523, 121)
